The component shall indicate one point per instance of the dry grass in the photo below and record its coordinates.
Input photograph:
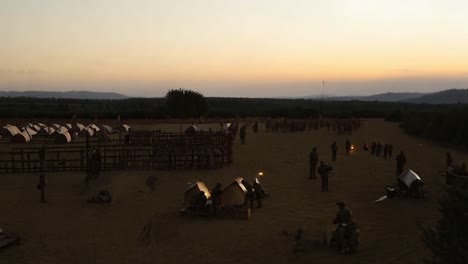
(68, 230)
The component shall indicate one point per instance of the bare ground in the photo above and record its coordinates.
(68, 230)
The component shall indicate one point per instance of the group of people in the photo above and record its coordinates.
(379, 149)
(323, 170)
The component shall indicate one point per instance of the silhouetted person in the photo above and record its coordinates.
(249, 196)
(242, 133)
(373, 148)
(334, 149)
(390, 150)
(255, 127)
(42, 186)
(259, 193)
(313, 160)
(449, 160)
(348, 146)
(345, 226)
(401, 162)
(216, 197)
(323, 171)
(385, 151)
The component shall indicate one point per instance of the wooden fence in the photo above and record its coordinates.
(142, 150)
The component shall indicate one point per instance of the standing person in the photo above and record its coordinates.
(348, 147)
(334, 148)
(255, 127)
(379, 149)
(390, 150)
(216, 197)
(249, 196)
(385, 151)
(42, 186)
(259, 193)
(323, 171)
(242, 133)
(313, 160)
(449, 160)
(401, 162)
(373, 147)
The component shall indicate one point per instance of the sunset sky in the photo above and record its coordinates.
(253, 48)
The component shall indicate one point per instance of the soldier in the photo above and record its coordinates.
(385, 151)
(345, 226)
(259, 193)
(216, 197)
(42, 186)
(401, 162)
(390, 150)
(334, 148)
(249, 196)
(323, 171)
(379, 149)
(348, 147)
(255, 128)
(373, 148)
(449, 160)
(201, 200)
(242, 133)
(313, 160)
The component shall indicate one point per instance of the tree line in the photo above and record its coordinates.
(177, 104)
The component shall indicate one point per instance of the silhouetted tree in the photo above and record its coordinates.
(185, 103)
(448, 242)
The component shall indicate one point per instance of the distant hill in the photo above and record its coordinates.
(67, 95)
(383, 97)
(452, 96)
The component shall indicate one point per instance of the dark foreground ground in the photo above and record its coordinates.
(68, 230)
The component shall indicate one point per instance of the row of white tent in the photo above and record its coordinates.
(62, 133)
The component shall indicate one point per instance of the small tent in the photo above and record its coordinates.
(22, 137)
(94, 127)
(234, 194)
(10, 131)
(61, 130)
(409, 177)
(192, 193)
(56, 126)
(411, 184)
(124, 128)
(107, 129)
(45, 131)
(78, 127)
(87, 132)
(69, 126)
(63, 138)
(30, 131)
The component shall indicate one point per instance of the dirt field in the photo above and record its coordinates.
(68, 230)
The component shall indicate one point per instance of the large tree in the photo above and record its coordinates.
(448, 241)
(185, 103)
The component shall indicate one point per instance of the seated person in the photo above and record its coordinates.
(345, 226)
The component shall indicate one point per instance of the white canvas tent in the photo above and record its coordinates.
(408, 177)
(234, 194)
(192, 193)
(10, 131)
(107, 129)
(63, 138)
(22, 137)
(87, 131)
